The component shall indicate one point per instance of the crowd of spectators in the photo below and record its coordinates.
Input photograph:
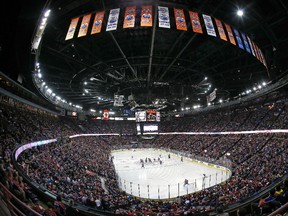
(81, 169)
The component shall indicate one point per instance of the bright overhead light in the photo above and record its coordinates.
(259, 86)
(39, 75)
(240, 12)
(47, 13)
(220, 100)
(85, 83)
(264, 84)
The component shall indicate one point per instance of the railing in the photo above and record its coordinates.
(168, 191)
(14, 204)
(160, 189)
(281, 210)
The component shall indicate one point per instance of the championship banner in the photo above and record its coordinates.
(146, 16)
(180, 19)
(251, 46)
(230, 34)
(72, 28)
(129, 18)
(113, 19)
(195, 21)
(209, 25)
(220, 29)
(97, 24)
(164, 19)
(84, 25)
(239, 41)
(245, 42)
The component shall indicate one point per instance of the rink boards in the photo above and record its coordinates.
(164, 180)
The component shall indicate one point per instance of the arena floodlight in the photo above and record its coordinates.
(240, 13)
(47, 13)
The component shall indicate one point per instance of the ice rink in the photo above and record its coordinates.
(166, 180)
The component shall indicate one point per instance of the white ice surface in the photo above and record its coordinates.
(164, 181)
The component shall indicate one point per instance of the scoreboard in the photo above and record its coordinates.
(147, 121)
(147, 116)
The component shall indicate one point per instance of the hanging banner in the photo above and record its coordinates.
(211, 96)
(118, 100)
(263, 59)
(255, 49)
(163, 15)
(209, 25)
(195, 21)
(258, 53)
(220, 29)
(97, 24)
(72, 28)
(105, 114)
(180, 19)
(247, 47)
(251, 46)
(129, 18)
(239, 41)
(230, 34)
(146, 15)
(84, 25)
(113, 19)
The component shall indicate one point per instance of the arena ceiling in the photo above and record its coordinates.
(157, 64)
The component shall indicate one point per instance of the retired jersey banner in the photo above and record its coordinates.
(72, 28)
(97, 24)
(245, 42)
(209, 25)
(180, 19)
(113, 19)
(84, 25)
(220, 29)
(195, 21)
(163, 15)
(239, 41)
(251, 46)
(230, 34)
(129, 18)
(146, 15)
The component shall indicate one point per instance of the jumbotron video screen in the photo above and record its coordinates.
(147, 121)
